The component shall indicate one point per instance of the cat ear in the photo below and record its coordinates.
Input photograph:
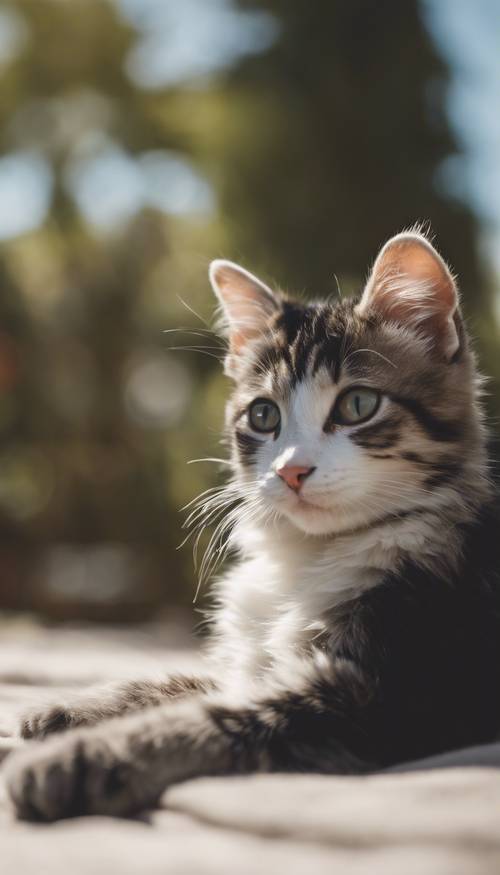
(247, 304)
(410, 284)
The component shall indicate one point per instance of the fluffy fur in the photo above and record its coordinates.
(360, 624)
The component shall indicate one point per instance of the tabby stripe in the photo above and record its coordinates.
(410, 456)
(247, 445)
(328, 355)
(308, 345)
(378, 435)
(386, 443)
(438, 429)
(292, 320)
(443, 473)
(301, 352)
(286, 356)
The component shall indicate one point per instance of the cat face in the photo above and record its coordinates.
(345, 414)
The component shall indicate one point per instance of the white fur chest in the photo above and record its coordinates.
(273, 604)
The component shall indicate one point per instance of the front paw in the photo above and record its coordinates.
(45, 721)
(70, 776)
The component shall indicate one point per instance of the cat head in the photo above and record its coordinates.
(345, 413)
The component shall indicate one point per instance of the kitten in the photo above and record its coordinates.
(360, 625)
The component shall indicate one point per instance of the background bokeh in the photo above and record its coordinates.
(138, 140)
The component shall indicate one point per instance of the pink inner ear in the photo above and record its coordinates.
(420, 264)
(411, 284)
(248, 304)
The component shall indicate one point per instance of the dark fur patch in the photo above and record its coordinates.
(307, 338)
(246, 445)
(381, 435)
(436, 428)
(415, 670)
(443, 473)
(410, 456)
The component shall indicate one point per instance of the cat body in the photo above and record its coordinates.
(359, 626)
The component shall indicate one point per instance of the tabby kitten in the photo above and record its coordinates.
(360, 625)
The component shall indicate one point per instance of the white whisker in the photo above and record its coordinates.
(373, 352)
(209, 459)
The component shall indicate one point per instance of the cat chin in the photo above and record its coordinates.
(312, 520)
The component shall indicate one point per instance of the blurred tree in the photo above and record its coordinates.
(90, 484)
(318, 147)
(334, 139)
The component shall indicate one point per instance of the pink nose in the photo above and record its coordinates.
(294, 475)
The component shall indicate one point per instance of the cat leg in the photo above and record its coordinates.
(106, 702)
(123, 766)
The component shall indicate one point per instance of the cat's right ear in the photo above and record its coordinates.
(247, 306)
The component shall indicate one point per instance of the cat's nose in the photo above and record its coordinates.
(294, 475)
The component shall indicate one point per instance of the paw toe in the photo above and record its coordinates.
(44, 785)
(71, 776)
(42, 723)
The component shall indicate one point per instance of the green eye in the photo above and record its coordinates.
(264, 415)
(356, 406)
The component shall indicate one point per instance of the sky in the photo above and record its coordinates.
(468, 35)
(202, 38)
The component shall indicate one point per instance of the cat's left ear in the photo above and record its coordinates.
(247, 306)
(410, 284)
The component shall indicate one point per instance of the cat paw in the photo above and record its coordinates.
(43, 722)
(64, 777)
